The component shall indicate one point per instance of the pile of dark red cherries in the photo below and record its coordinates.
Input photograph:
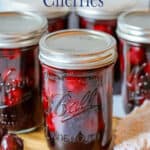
(10, 141)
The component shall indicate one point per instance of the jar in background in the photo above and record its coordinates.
(77, 69)
(134, 32)
(20, 106)
(58, 18)
(100, 21)
(60, 22)
(96, 19)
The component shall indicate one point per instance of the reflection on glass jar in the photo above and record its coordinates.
(133, 29)
(20, 107)
(77, 89)
(96, 19)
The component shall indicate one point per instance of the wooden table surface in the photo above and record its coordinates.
(36, 140)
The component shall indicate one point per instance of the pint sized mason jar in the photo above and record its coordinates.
(134, 32)
(77, 70)
(90, 18)
(58, 18)
(96, 19)
(20, 106)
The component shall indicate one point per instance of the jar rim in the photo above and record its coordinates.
(20, 29)
(78, 49)
(133, 26)
(52, 13)
(94, 13)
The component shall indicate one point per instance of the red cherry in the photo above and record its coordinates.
(11, 142)
(15, 53)
(75, 84)
(50, 123)
(13, 97)
(147, 68)
(136, 55)
(12, 53)
(83, 23)
(103, 28)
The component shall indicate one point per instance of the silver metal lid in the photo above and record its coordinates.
(40, 8)
(77, 49)
(19, 29)
(96, 13)
(55, 12)
(135, 26)
(109, 10)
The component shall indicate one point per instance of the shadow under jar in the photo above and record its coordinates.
(20, 106)
(98, 20)
(77, 69)
(134, 32)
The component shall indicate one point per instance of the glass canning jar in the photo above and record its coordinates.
(100, 21)
(96, 19)
(58, 18)
(59, 21)
(134, 33)
(20, 106)
(77, 69)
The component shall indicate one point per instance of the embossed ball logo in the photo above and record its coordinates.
(67, 107)
(12, 87)
(73, 106)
